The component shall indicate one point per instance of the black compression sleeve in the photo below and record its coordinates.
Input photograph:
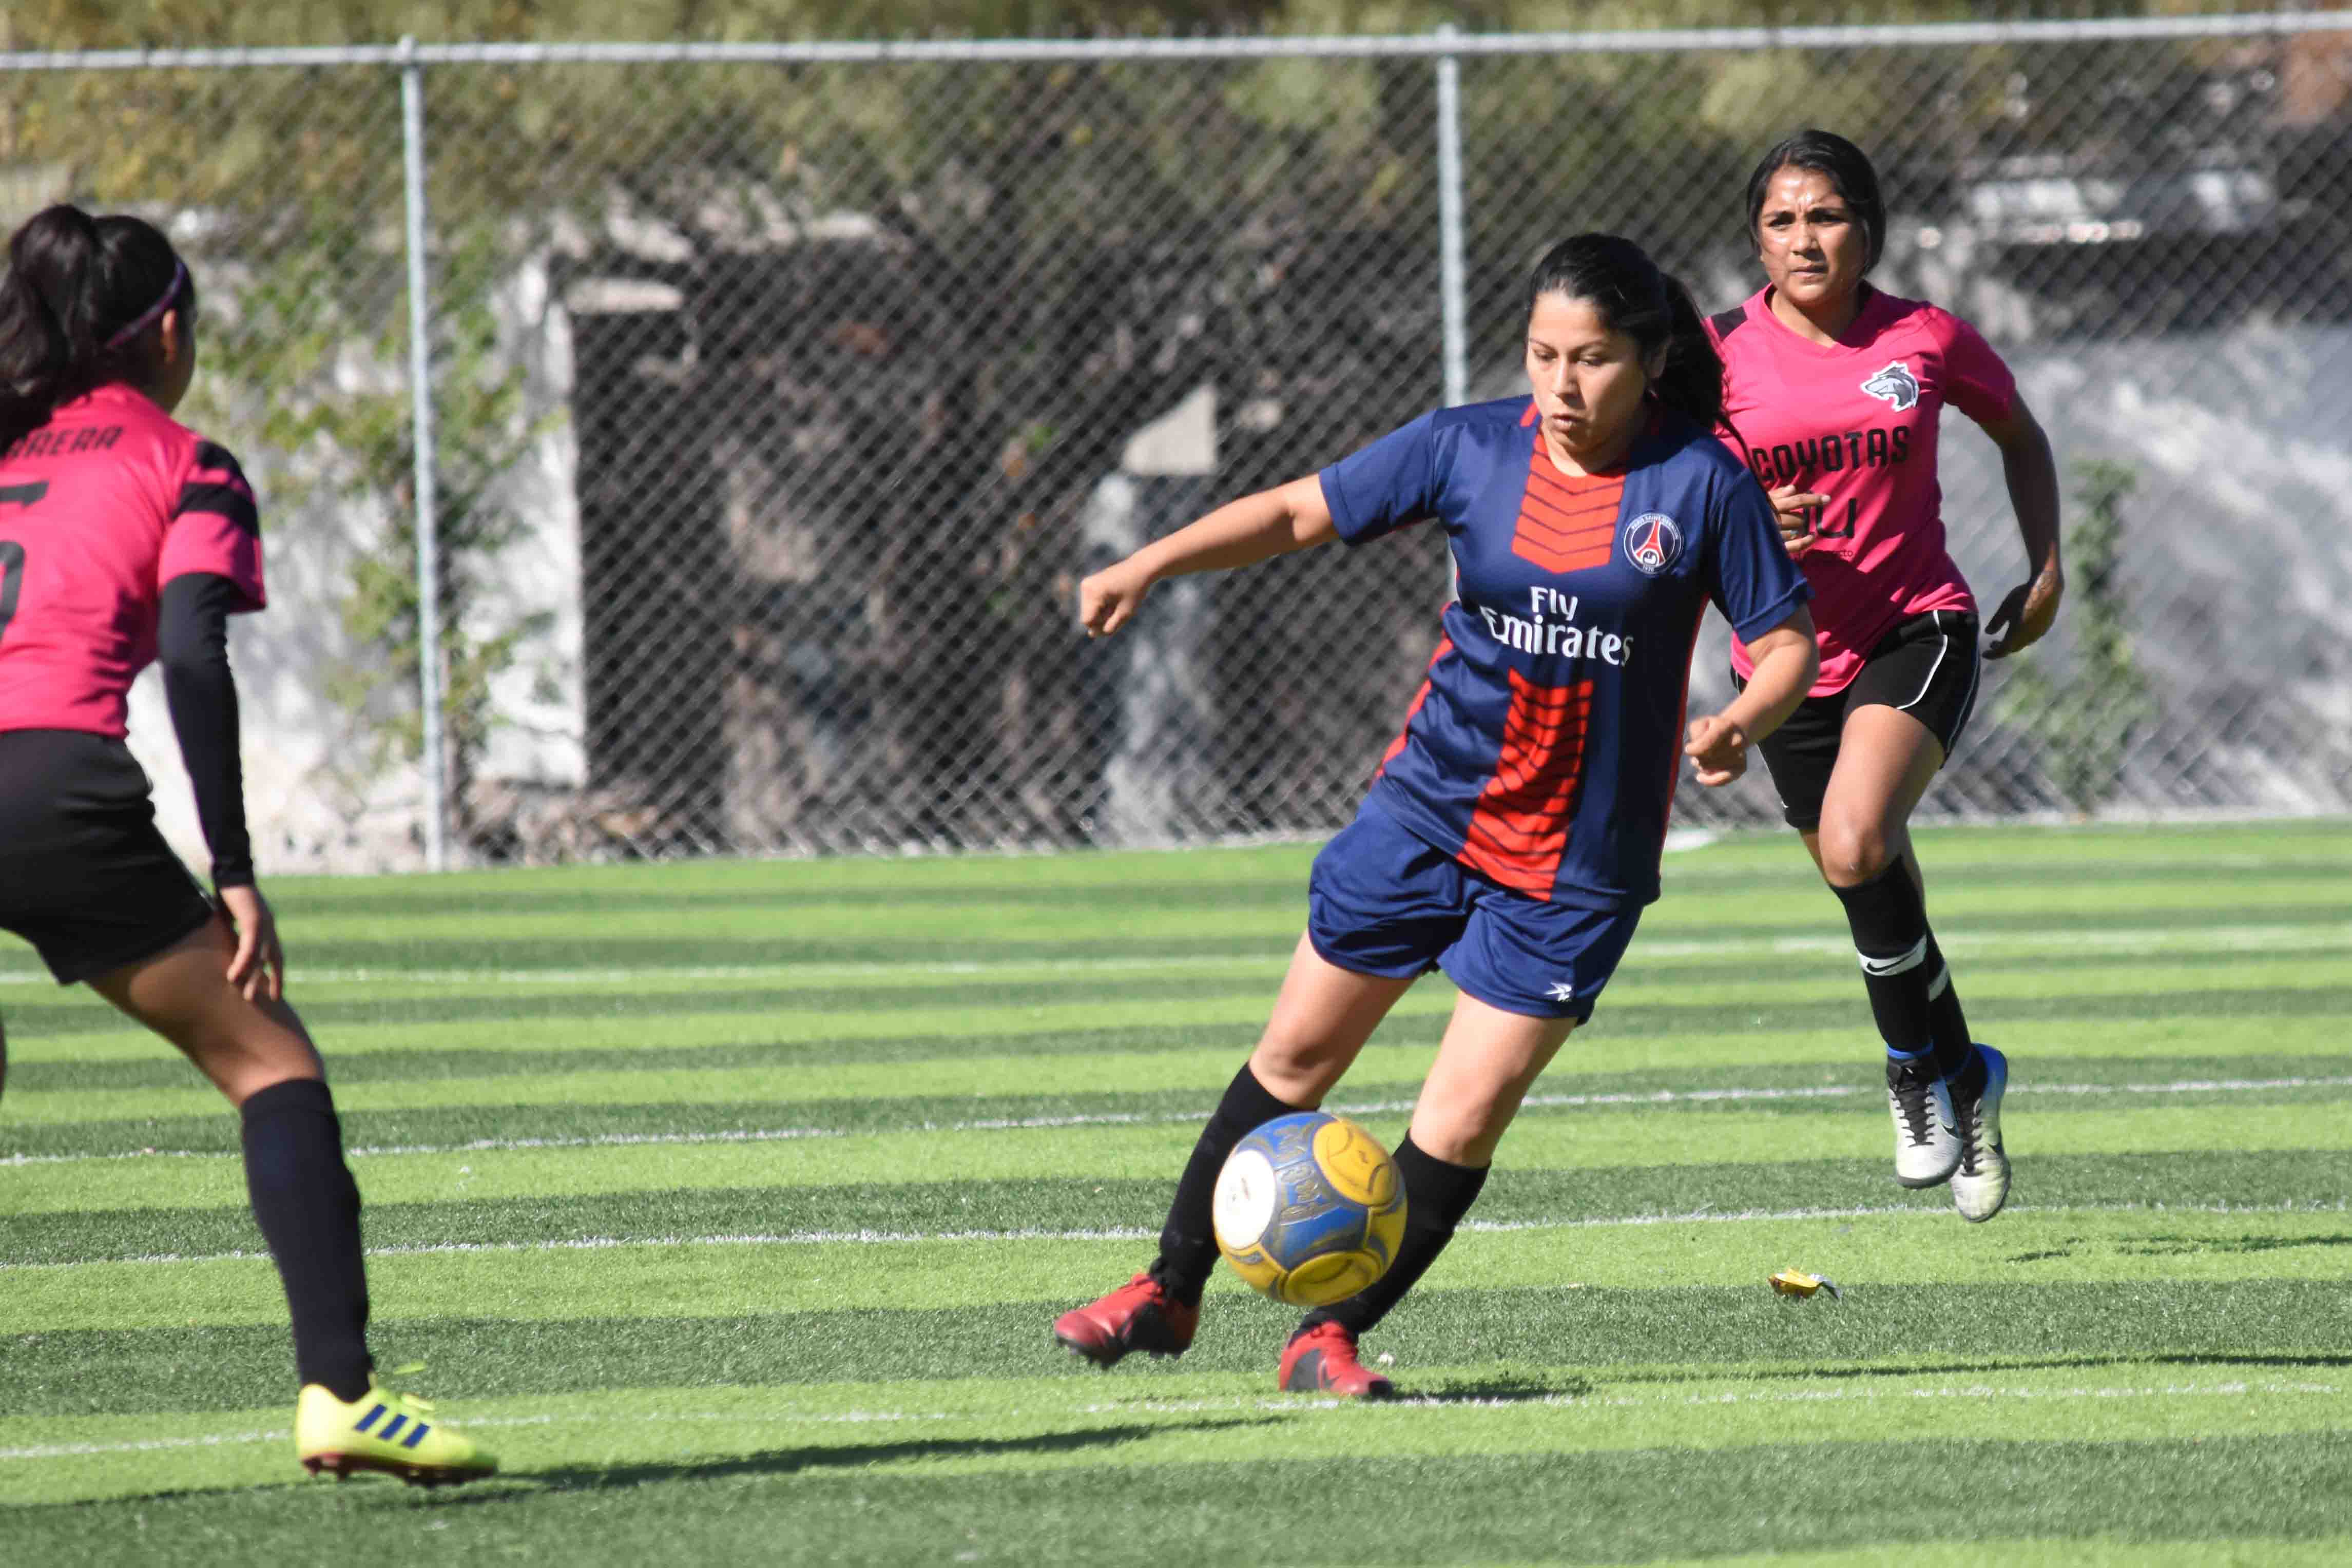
(191, 639)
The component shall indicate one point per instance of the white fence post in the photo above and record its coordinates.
(420, 379)
(1449, 222)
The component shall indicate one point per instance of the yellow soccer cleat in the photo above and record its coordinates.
(395, 1434)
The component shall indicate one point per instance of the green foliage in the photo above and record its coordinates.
(2085, 717)
(482, 431)
(289, 183)
(95, 24)
(304, 354)
(1169, 223)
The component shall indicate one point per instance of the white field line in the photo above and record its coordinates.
(872, 1238)
(1657, 1097)
(1045, 967)
(2055, 940)
(1291, 1406)
(146, 1446)
(476, 1145)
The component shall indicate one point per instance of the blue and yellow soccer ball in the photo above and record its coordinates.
(1309, 1209)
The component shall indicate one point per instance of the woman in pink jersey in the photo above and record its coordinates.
(1833, 394)
(126, 538)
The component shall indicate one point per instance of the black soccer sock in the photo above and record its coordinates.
(1911, 991)
(309, 1208)
(1437, 1194)
(1947, 1024)
(1188, 1242)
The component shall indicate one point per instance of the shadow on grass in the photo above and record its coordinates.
(2193, 1358)
(2188, 1246)
(1503, 1390)
(816, 1457)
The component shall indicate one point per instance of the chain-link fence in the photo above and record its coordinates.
(779, 398)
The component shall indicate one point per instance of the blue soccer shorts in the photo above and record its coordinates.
(1382, 902)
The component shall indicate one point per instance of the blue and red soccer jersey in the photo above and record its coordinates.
(99, 508)
(1543, 748)
(1856, 421)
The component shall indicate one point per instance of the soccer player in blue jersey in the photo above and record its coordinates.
(1513, 833)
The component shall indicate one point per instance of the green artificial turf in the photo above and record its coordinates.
(732, 1203)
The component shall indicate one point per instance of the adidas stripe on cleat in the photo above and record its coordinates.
(1980, 1185)
(1322, 1360)
(1141, 1314)
(389, 1432)
(1926, 1146)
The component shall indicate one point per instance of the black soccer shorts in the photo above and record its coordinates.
(1926, 666)
(84, 876)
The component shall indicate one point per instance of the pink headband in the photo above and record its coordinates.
(179, 276)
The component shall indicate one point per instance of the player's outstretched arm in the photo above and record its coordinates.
(1787, 664)
(2032, 470)
(1256, 527)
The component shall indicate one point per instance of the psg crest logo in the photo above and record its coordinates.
(1895, 383)
(1653, 541)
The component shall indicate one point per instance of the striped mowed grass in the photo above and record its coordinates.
(731, 1202)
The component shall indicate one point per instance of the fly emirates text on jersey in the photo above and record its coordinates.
(1549, 627)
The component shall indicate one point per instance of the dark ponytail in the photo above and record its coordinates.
(77, 300)
(1635, 297)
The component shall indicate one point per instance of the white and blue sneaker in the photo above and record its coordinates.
(1926, 1144)
(1980, 1185)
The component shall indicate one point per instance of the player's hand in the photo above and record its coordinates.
(2027, 614)
(1719, 747)
(1799, 510)
(258, 968)
(1108, 600)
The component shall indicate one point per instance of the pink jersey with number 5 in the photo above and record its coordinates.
(98, 509)
(1856, 422)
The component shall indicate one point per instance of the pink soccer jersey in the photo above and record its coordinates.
(1857, 423)
(98, 509)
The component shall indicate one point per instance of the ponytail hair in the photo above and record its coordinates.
(1634, 295)
(76, 304)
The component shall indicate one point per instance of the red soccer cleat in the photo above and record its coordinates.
(1139, 1315)
(1322, 1360)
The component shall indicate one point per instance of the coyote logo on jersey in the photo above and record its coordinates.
(1895, 383)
